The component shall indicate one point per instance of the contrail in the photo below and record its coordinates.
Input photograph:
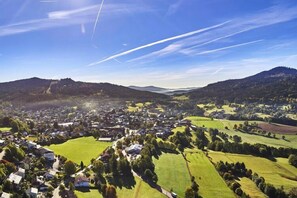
(228, 47)
(97, 19)
(159, 42)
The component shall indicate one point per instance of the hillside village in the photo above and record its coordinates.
(136, 134)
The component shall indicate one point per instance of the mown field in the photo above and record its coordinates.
(210, 182)
(5, 129)
(206, 122)
(278, 173)
(80, 149)
(250, 188)
(172, 173)
(290, 140)
(140, 190)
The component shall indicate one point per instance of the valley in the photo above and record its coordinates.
(79, 139)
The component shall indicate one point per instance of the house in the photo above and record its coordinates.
(134, 149)
(47, 153)
(105, 157)
(49, 175)
(105, 139)
(2, 142)
(32, 192)
(5, 195)
(14, 178)
(32, 145)
(81, 182)
(43, 187)
(21, 172)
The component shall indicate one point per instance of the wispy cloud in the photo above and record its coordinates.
(159, 42)
(173, 7)
(228, 47)
(191, 45)
(82, 28)
(67, 17)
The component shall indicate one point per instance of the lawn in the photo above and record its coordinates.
(250, 188)
(278, 173)
(210, 182)
(140, 190)
(205, 122)
(80, 149)
(172, 173)
(5, 129)
(89, 193)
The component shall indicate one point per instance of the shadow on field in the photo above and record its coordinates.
(125, 181)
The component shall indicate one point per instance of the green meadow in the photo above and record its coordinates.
(210, 182)
(80, 149)
(279, 172)
(140, 190)
(172, 173)
(5, 129)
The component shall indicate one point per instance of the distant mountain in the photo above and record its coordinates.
(36, 89)
(276, 84)
(163, 90)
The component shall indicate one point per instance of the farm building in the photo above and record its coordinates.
(81, 181)
(134, 149)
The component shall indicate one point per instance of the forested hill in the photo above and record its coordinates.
(276, 84)
(36, 89)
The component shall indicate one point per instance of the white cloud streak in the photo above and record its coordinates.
(159, 42)
(228, 47)
(191, 45)
(97, 18)
(67, 17)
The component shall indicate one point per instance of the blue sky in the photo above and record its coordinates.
(168, 43)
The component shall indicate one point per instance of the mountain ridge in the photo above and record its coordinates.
(37, 89)
(278, 83)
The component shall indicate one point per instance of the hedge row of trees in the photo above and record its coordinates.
(231, 171)
(251, 149)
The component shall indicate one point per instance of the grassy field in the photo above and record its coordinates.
(210, 108)
(278, 173)
(140, 190)
(181, 98)
(250, 188)
(210, 182)
(87, 194)
(206, 122)
(291, 140)
(80, 149)
(172, 173)
(5, 128)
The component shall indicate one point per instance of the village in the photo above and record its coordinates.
(31, 169)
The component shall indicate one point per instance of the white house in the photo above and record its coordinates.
(21, 172)
(81, 181)
(14, 178)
